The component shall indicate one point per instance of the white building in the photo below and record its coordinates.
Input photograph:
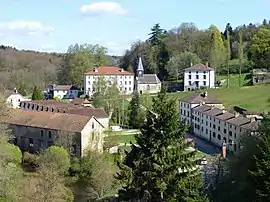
(199, 76)
(13, 101)
(146, 83)
(63, 91)
(123, 79)
(209, 120)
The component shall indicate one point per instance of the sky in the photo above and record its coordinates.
(53, 25)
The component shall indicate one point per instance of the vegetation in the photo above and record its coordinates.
(151, 171)
(37, 94)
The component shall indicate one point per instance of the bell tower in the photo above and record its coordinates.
(140, 69)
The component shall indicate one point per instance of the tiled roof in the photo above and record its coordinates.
(48, 120)
(225, 116)
(202, 108)
(251, 126)
(86, 111)
(213, 112)
(149, 79)
(107, 70)
(199, 67)
(239, 120)
(80, 101)
(197, 98)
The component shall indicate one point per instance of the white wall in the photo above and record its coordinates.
(207, 81)
(68, 93)
(149, 88)
(125, 83)
(13, 101)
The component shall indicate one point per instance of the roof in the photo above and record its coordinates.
(87, 111)
(202, 108)
(198, 98)
(48, 120)
(65, 87)
(140, 65)
(149, 79)
(199, 67)
(239, 120)
(251, 126)
(225, 116)
(80, 101)
(109, 70)
(213, 112)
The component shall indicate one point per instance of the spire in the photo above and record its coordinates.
(140, 68)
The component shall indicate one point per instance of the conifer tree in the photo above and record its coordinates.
(160, 167)
(136, 114)
(37, 94)
(22, 88)
(260, 174)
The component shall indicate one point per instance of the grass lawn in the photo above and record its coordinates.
(234, 80)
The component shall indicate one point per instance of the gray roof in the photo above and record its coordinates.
(140, 65)
(213, 112)
(239, 120)
(225, 116)
(251, 126)
(199, 67)
(202, 108)
(197, 98)
(149, 79)
(65, 87)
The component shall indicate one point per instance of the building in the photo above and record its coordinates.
(62, 91)
(35, 131)
(188, 103)
(13, 101)
(68, 108)
(199, 76)
(209, 120)
(123, 79)
(146, 83)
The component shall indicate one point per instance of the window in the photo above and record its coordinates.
(197, 72)
(189, 83)
(206, 131)
(148, 87)
(225, 139)
(206, 123)
(218, 128)
(125, 82)
(129, 88)
(230, 133)
(214, 126)
(189, 72)
(204, 83)
(181, 111)
(89, 82)
(202, 129)
(189, 76)
(50, 143)
(214, 134)
(219, 137)
(129, 82)
(93, 125)
(225, 131)
(235, 135)
(50, 134)
(204, 76)
(197, 76)
(41, 133)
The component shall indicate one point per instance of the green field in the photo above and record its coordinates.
(253, 98)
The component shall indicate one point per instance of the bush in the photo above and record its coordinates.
(56, 98)
(10, 153)
(30, 159)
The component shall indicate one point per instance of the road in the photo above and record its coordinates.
(205, 146)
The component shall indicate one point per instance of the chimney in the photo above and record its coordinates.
(224, 150)
(122, 70)
(191, 64)
(236, 114)
(223, 111)
(15, 90)
(206, 64)
(203, 103)
(96, 69)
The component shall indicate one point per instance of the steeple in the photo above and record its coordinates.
(140, 69)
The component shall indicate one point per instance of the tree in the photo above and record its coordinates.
(37, 94)
(228, 56)
(160, 166)
(240, 55)
(179, 62)
(56, 156)
(136, 113)
(22, 88)
(260, 48)
(217, 48)
(156, 35)
(260, 174)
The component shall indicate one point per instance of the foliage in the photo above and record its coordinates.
(178, 63)
(136, 113)
(160, 166)
(37, 94)
(10, 153)
(260, 48)
(95, 174)
(56, 156)
(22, 88)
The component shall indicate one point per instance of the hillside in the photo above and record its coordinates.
(32, 67)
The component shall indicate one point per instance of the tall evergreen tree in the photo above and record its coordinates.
(37, 94)
(260, 174)
(240, 55)
(136, 113)
(21, 88)
(160, 167)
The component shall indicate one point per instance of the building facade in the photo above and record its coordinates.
(123, 79)
(210, 121)
(35, 131)
(62, 91)
(199, 76)
(146, 83)
(13, 101)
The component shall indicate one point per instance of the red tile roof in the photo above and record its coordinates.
(109, 70)
(48, 120)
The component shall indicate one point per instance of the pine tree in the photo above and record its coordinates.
(160, 166)
(136, 114)
(37, 94)
(21, 88)
(260, 174)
